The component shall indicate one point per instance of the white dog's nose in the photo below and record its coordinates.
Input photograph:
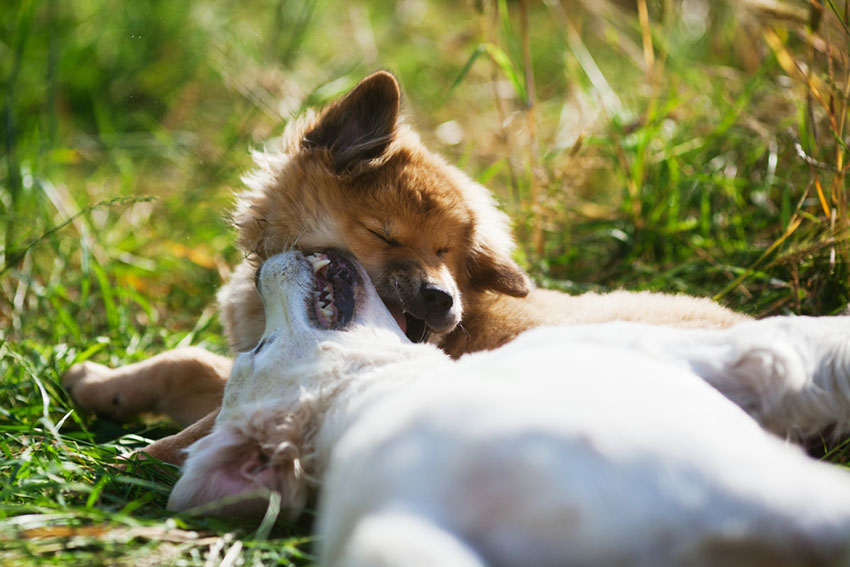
(279, 269)
(284, 283)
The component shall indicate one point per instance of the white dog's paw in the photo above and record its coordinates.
(823, 344)
(821, 341)
(807, 388)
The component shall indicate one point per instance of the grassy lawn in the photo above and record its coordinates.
(690, 146)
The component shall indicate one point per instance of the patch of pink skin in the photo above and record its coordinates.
(259, 473)
(398, 315)
(236, 478)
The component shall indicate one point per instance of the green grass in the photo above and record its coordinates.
(714, 168)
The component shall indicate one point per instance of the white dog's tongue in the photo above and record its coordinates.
(398, 314)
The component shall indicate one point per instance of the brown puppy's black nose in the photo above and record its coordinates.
(436, 298)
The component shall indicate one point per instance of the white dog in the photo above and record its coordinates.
(587, 445)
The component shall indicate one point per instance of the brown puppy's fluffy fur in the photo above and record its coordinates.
(433, 242)
(406, 215)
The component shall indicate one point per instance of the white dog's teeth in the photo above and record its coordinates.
(327, 313)
(318, 261)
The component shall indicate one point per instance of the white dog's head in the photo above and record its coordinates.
(278, 392)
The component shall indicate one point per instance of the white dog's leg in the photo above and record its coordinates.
(398, 540)
(791, 373)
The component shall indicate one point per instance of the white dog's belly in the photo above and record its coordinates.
(599, 454)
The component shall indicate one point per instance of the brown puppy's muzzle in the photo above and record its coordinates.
(427, 306)
(433, 305)
(429, 311)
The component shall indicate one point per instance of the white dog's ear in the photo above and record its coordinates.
(229, 472)
(359, 126)
(490, 271)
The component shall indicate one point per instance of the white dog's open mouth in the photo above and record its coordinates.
(332, 303)
(333, 289)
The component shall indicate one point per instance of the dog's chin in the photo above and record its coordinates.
(414, 328)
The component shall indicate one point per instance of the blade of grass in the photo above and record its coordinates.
(15, 256)
(795, 223)
(24, 22)
(502, 61)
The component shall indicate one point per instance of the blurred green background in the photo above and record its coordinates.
(663, 152)
(680, 145)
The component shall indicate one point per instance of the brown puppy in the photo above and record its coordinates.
(356, 178)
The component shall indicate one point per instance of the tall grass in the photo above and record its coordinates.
(688, 146)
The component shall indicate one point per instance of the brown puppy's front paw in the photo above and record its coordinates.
(83, 372)
(89, 386)
(143, 458)
(162, 450)
(79, 379)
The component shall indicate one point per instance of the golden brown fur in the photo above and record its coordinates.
(435, 245)
(405, 214)
(493, 320)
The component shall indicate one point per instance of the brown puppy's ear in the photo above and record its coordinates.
(489, 271)
(359, 126)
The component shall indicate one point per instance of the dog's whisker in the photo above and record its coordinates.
(297, 239)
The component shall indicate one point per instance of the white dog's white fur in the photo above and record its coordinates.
(586, 445)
